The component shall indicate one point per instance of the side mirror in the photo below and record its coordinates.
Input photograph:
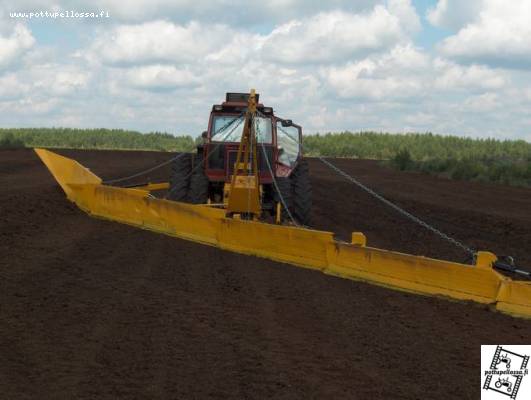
(204, 134)
(286, 122)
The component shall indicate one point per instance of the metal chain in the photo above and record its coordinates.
(399, 209)
(126, 178)
(282, 201)
(390, 204)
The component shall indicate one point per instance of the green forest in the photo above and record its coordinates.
(485, 160)
(102, 139)
(488, 160)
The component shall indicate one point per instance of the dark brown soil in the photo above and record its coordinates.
(95, 309)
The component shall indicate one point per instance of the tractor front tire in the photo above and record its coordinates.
(181, 168)
(199, 185)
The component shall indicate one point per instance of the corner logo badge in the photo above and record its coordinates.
(507, 372)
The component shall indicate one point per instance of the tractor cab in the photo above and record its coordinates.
(278, 139)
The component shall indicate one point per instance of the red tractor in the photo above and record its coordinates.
(241, 133)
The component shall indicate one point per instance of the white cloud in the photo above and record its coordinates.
(334, 36)
(160, 77)
(11, 87)
(218, 11)
(420, 119)
(40, 90)
(53, 79)
(406, 13)
(501, 36)
(36, 106)
(66, 82)
(405, 74)
(323, 38)
(449, 75)
(481, 103)
(454, 14)
(406, 57)
(396, 74)
(365, 80)
(159, 41)
(14, 45)
(235, 12)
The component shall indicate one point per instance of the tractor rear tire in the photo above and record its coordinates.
(302, 193)
(199, 185)
(180, 177)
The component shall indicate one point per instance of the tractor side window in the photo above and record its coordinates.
(234, 135)
(288, 144)
(263, 130)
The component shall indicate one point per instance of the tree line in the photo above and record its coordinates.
(421, 146)
(503, 161)
(104, 139)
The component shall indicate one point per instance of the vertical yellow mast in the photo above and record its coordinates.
(244, 194)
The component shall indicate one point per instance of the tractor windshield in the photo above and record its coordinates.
(230, 134)
(288, 144)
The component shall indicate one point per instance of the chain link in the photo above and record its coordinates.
(399, 209)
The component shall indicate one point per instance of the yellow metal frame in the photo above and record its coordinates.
(299, 246)
(244, 191)
(154, 186)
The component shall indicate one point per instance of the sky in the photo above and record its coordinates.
(444, 66)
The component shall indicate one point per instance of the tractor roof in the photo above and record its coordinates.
(232, 97)
(239, 101)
